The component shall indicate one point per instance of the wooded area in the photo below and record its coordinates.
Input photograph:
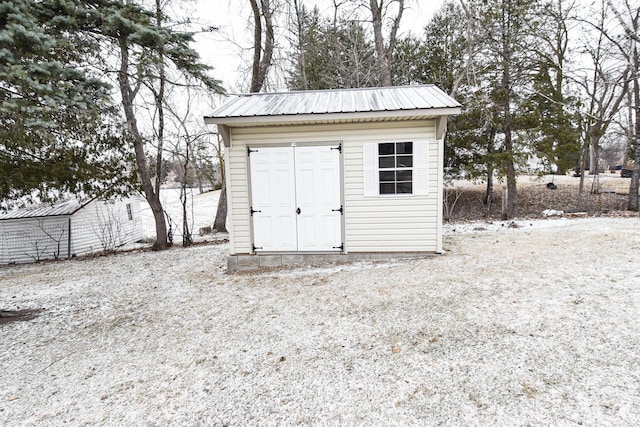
(546, 83)
(96, 94)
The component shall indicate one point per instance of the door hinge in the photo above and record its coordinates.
(341, 247)
(255, 247)
(253, 211)
(341, 210)
(249, 151)
(339, 148)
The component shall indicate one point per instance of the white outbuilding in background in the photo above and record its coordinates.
(68, 229)
(334, 174)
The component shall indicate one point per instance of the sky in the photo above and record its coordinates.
(222, 49)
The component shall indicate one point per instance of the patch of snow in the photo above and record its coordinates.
(534, 324)
(493, 226)
(552, 212)
(201, 212)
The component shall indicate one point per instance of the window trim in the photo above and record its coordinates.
(420, 171)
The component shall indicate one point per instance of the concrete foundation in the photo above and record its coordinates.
(247, 262)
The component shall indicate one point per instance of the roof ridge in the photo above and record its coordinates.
(350, 89)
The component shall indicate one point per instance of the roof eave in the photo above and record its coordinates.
(331, 117)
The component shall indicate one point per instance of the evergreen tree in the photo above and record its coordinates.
(335, 56)
(553, 112)
(58, 131)
(508, 29)
(56, 103)
(555, 118)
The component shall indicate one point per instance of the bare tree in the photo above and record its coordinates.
(298, 18)
(263, 50)
(263, 42)
(46, 235)
(108, 226)
(605, 90)
(468, 72)
(147, 48)
(628, 16)
(128, 90)
(188, 132)
(554, 109)
(220, 221)
(471, 73)
(379, 10)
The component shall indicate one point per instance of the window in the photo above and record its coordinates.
(129, 212)
(397, 168)
(395, 165)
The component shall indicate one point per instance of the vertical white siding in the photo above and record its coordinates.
(102, 226)
(96, 227)
(33, 239)
(395, 223)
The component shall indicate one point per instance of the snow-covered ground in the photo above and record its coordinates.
(201, 212)
(534, 325)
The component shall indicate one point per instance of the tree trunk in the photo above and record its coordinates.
(634, 204)
(221, 215)
(151, 195)
(512, 201)
(581, 168)
(383, 52)
(594, 157)
(187, 238)
(261, 54)
(301, 43)
(512, 195)
(630, 131)
(488, 197)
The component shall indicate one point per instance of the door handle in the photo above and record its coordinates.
(298, 211)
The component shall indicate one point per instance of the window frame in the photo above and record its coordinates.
(423, 149)
(400, 150)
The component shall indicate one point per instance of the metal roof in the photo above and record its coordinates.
(65, 208)
(374, 103)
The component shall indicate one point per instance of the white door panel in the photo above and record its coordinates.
(285, 179)
(273, 199)
(317, 195)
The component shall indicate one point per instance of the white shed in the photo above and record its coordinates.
(335, 174)
(68, 229)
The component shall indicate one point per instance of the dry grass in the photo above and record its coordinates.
(534, 198)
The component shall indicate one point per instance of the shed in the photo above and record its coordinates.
(68, 229)
(334, 174)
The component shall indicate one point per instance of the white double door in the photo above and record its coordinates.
(295, 198)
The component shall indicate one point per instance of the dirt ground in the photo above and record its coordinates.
(606, 194)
